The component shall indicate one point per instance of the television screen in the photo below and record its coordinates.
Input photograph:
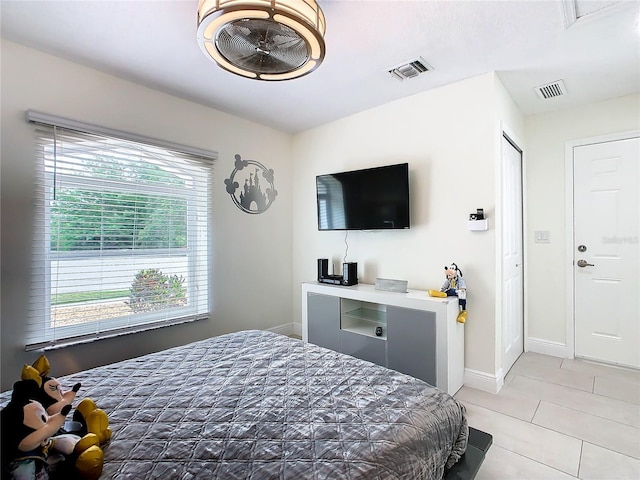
(370, 199)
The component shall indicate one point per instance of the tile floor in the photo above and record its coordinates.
(560, 419)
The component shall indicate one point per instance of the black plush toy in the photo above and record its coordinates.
(27, 432)
(34, 444)
(53, 397)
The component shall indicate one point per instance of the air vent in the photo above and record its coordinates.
(550, 90)
(411, 69)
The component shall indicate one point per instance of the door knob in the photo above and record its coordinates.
(584, 263)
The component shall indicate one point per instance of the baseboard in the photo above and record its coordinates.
(547, 347)
(287, 329)
(483, 381)
(297, 329)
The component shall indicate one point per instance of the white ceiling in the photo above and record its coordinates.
(527, 42)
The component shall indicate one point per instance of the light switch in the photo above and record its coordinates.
(542, 236)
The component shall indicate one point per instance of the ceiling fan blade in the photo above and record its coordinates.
(263, 46)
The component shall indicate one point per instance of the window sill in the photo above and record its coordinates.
(83, 339)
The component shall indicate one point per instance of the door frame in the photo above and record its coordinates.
(515, 140)
(570, 340)
(517, 146)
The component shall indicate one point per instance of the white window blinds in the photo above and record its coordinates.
(120, 238)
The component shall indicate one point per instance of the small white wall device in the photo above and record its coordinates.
(477, 222)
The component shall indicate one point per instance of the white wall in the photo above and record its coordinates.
(247, 249)
(547, 135)
(448, 137)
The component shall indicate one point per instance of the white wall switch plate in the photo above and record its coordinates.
(542, 236)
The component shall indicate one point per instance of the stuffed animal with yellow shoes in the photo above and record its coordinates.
(33, 448)
(83, 456)
(454, 286)
(53, 398)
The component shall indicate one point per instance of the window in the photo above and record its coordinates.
(120, 237)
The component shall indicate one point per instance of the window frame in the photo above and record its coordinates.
(43, 335)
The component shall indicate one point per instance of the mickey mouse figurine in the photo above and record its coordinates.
(51, 395)
(53, 398)
(35, 444)
(453, 286)
(26, 433)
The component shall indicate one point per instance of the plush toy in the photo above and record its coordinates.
(84, 457)
(454, 285)
(51, 395)
(93, 420)
(30, 445)
(53, 398)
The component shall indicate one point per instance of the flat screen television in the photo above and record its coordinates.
(369, 199)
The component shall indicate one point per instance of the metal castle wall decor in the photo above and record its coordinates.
(251, 198)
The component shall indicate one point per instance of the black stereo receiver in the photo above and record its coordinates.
(332, 279)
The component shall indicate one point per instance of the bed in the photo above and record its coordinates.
(258, 405)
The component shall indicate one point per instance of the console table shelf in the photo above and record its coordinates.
(364, 321)
(420, 334)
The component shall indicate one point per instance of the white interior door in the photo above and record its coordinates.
(606, 260)
(512, 268)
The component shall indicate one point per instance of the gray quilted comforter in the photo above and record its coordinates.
(257, 405)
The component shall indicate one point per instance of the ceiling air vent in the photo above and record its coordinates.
(411, 69)
(550, 90)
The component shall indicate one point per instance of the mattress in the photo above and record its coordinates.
(258, 405)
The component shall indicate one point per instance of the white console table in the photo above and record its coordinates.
(419, 334)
